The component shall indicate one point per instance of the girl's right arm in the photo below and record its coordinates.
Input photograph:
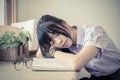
(39, 54)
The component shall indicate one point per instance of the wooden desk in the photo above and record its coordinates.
(7, 72)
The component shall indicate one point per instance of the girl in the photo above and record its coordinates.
(77, 47)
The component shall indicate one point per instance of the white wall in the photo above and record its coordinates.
(2, 12)
(94, 12)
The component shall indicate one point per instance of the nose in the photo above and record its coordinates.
(58, 40)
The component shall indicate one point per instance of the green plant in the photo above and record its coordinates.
(12, 39)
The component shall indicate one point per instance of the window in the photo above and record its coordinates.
(12, 11)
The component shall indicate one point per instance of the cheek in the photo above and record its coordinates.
(69, 43)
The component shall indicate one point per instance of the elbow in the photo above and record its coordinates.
(76, 65)
(38, 55)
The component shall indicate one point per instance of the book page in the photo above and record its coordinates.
(47, 62)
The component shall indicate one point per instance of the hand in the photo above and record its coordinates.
(52, 51)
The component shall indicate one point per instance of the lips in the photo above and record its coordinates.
(65, 44)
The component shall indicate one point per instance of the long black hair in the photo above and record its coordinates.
(50, 24)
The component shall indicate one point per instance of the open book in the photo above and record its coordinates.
(48, 64)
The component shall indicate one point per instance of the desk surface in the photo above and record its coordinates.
(7, 72)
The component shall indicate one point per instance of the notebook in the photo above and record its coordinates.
(48, 64)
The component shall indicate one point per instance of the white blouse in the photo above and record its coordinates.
(108, 59)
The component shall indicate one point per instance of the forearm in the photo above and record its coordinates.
(66, 59)
(79, 60)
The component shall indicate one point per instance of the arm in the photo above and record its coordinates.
(77, 61)
(39, 54)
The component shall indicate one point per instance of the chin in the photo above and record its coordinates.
(69, 45)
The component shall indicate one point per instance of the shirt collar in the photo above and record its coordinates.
(80, 36)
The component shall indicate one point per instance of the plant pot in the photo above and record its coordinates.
(10, 54)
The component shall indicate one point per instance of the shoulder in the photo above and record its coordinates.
(97, 36)
(93, 30)
(92, 27)
(90, 33)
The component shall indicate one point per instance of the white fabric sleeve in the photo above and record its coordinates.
(96, 36)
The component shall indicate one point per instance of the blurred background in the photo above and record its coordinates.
(105, 13)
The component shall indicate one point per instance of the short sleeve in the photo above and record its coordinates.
(96, 36)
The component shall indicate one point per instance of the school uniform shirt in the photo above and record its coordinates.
(107, 60)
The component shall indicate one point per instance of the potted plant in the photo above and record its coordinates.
(12, 43)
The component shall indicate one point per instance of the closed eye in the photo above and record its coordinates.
(55, 35)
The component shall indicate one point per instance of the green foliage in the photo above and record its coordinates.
(11, 39)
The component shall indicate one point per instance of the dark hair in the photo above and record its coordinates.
(50, 18)
(49, 24)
